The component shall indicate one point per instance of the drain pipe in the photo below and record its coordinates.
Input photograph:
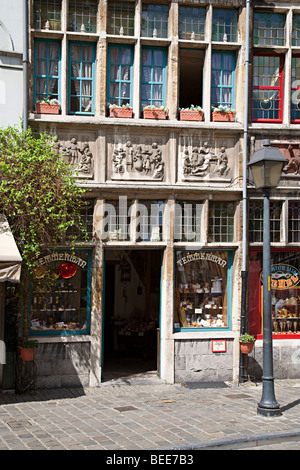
(244, 272)
(25, 65)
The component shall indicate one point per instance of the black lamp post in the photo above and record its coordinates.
(266, 165)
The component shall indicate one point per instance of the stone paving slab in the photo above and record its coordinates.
(148, 416)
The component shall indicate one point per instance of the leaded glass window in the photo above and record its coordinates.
(83, 16)
(256, 217)
(221, 222)
(47, 14)
(191, 23)
(269, 29)
(155, 20)
(120, 18)
(225, 25)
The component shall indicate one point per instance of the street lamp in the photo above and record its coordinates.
(266, 165)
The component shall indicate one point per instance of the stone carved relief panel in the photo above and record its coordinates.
(206, 161)
(136, 158)
(78, 154)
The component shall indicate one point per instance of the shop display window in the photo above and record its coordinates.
(60, 294)
(285, 288)
(203, 289)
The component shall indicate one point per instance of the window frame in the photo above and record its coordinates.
(223, 235)
(48, 77)
(270, 14)
(115, 7)
(152, 82)
(220, 85)
(228, 14)
(293, 90)
(120, 81)
(185, 17)
(80, 79)
(279, 88)
(160, 18)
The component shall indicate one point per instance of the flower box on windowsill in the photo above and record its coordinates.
(47, 108)
(155, 113)
(223, 116)
(120, 112)
(191, 115)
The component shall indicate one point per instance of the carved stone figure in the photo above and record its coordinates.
(79, 157)
(294, 162)
(202, 162)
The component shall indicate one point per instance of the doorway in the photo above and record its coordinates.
(131, 315)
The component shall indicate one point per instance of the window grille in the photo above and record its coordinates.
(225, 25)
(269, 29)
(155, 20)
(256, 217)
(47, 14)
(192, 23)
(221, 222)
(120, 18)
(83, 16)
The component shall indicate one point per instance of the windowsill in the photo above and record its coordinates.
(208, 334)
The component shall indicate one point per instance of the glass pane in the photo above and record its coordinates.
(114, 72)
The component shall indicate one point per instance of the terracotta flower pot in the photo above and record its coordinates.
(27, 354)
(47, 108)
(246, 348)
(154, 113)
(120, 112)
(191, 115)
(223, 116)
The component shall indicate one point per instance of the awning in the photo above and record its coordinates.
(10, 258)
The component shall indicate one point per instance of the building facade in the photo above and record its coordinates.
(160, 277)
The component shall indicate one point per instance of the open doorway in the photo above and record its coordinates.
(191, 77)
(131, 316)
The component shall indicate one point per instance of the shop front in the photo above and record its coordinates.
(285, 289)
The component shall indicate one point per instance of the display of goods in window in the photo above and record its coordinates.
(223, 116)
(120, 112)
(47, 108)
(191, 115)
(155, 113)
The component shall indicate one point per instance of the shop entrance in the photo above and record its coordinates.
(131, 316)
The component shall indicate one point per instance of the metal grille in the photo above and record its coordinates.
(191, 23)
(221, 222)
(47, 14)
(120, 18)
(256, 221)
(83, 16)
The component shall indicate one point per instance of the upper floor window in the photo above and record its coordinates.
(81, 78)
(221, 222)
(269, 29)
(192, 23)
(296, 31)
(153, 79)
(149, 220)
(225, 25)
(155, 20)
(295, 92)
(46, 70)
(267, 88)
(47, 14)
(223, 79)
(294, 221)
(83, 16)
(120, 62)
(117, 219)
(188, 221)
(120, 18)
(256, 221)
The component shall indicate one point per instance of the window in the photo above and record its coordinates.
(202, 289)
(61, 294)
(269, 29)
(86, 221)
(190, 77)
(83, 16)
(294, 222)
(47, 14)
(296, 31)
(192, 23)
(120, 18)
(256, 221)
(223, 79)
(117, 220)
(225, 25)
(149, 220)
(81, 78)
(295, 97)
(46, 70)
(153, 80)
(267, 88)
(120, 62)
(188, 221)
(221, 222)
(155, 20)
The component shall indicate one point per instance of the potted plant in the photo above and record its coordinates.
(223, 113)
(124, 111)
(27, 349)
(193, 113)
(152, 112)
(246, 343)
(47, 106)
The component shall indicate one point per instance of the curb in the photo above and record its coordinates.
(240, 442)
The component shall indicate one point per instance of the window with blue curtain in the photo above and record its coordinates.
(153, 79)
(47, 55)
(223, 79)
(120, 68)
(81, 78)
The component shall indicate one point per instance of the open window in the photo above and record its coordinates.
(190, 77)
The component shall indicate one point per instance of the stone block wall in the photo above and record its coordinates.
(195, 362)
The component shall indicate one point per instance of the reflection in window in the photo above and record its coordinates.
(47, 14)
(81, 78)
(120, 18)
(192, 23)
(120, 75)
(83, 16)
(225, 27)
(155, 20)
(201, 293)
(269, 29)
(47, 70)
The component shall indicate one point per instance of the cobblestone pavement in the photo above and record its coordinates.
(150, 415)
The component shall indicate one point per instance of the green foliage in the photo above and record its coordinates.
(38, 194)
(29, 343)
(246, 338)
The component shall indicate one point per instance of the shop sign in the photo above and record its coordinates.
(218, 345)
(283, 276)
(63, 257)
(201, 255)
